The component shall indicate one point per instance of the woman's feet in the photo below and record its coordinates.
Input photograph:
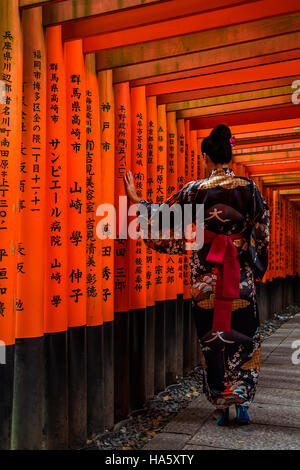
(222, 416)
(242, 416)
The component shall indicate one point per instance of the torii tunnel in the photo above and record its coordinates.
(91, 327)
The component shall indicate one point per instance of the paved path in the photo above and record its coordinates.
(275, 411)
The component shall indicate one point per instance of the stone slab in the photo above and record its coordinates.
(191, 419)
(167, 441)
(285, 383)
(277, 396)
(278, 359)
(282, 351)
(278, 369)
(271, 415)
(252, 437)
(193, 447)
(295, 333)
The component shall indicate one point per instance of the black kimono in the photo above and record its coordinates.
(232, 205)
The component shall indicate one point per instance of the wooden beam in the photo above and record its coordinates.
(266, 167)
(252, 143)
(279, 184)
(87, 9)
(37, 3)
(225, 90)
(159, 70)
(249, 74)
(280, 176)
(269, 148)
(265, 157)
(240, 64)
(289, 191)
(246, 105)
(286, 132)
(282, 179)
(157, 10)
(249, 117)
(263, 127)
(191, 24)
(188, 43)
(234, 98)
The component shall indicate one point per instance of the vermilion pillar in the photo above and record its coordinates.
(188, 178)
(172, 260)
(10, 149)
(160, 267)
(55, 294)
(138, 266)
(161, 195)
(95, 376)
(151, 189)
(151, 254)
(122, 163)
(187, 320)
(76, 239)
(105, 229)
(28, 396)
(180, 184)
(121, 285)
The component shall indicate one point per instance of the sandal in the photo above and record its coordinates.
(242, 416)
(222, 416)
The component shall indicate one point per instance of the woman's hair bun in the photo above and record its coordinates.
(217, 145)
(221, 133)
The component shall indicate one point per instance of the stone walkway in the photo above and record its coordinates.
(275, 411)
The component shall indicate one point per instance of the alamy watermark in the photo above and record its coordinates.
(176, 222)
(296, 354)
(296, 94)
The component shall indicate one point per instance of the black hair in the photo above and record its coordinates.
(217, 145)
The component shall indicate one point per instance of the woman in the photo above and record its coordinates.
(223, 273)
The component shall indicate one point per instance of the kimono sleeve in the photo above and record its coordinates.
(175, 242)
(257, 253)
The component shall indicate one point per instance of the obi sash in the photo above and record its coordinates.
(225, 255)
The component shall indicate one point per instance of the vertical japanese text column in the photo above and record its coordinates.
(187, 326)
(151, 254)
(138, 267)
(194, 155)
(160, 266)
(200, 166)
(193, 176)
(56, 297)
(172, 260)
(95, 378)
(121, 287)
(106, 228)
(188, 178)
(76, 233)
(180, 184)
(151, 189)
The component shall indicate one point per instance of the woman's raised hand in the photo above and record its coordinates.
(130, 188)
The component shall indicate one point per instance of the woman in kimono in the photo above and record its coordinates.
(223, 274)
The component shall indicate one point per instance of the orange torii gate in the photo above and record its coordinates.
(113, 86)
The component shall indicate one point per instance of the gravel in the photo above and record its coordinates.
(142, 425)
